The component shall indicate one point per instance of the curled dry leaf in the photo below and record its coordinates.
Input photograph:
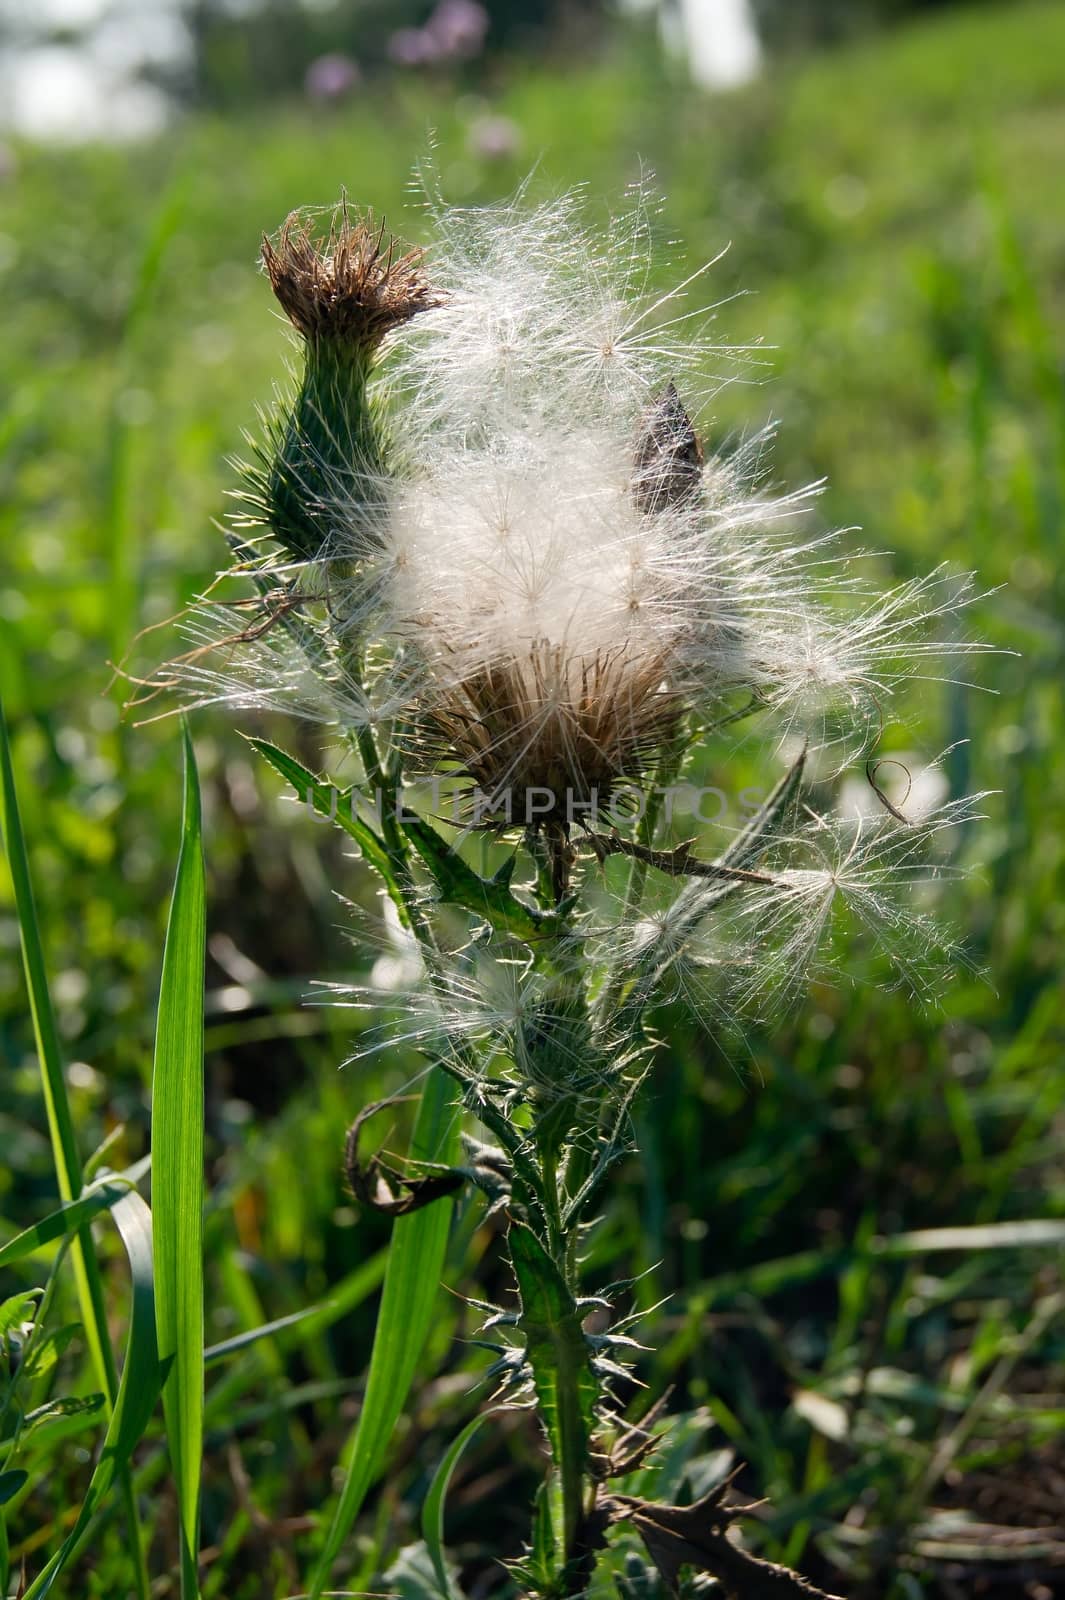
(697, 1536)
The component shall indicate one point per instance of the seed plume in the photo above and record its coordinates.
(542, 570)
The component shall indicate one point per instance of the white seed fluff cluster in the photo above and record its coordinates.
(739, 956)
(559, 559)
(557, 569)
(548, 568)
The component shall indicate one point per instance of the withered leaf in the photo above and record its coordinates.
(382, 1187)
(696, 1536)
(635, 1441)
(377, 1184)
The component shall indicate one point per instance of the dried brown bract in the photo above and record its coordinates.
(668, 455)
(354, 282)
(550, 732)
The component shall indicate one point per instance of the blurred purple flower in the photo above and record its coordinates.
(331, 77)
(457, 28)
(455, 31)
(409, 47)
(494, 138)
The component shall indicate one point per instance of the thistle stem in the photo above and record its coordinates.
(572, 1469)
(566, 1388)
(551, 1320)
(665, 774)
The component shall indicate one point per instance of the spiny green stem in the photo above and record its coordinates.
(576, 1173)
(557, 1349)
(556, 1330)
(539, 856)
(550, 1200)
(566, 1390)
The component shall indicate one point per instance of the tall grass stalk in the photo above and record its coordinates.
(65, 1157)
(177, 1176)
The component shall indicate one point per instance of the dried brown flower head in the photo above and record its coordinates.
(351, 283)
(550, 733)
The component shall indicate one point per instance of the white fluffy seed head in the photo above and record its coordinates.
(546, 547)
(557, 563)
(537, 576)
(555, 532)
(850, 883)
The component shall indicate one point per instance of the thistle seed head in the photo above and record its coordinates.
(353, 283)
(519, 562)
(554, 621)
(549, 733)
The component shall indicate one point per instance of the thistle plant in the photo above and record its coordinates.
(490, 550)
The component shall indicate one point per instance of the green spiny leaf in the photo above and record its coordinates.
(490, 898)
(327, 801)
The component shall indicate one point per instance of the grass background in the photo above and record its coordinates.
(896, 207)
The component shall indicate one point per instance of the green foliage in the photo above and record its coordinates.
(407, 1304)
(60, 1120)
(138, 1389)
(59, 1224)
(327, 801)
(433, 1506)
(894, 207)
(68, 1175)
(491, 898)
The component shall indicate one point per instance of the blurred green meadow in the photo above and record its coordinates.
(894, 215)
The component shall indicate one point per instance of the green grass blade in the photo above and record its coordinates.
(67, 1219)
(412, 1278)
(60, 1122)
(65, 1156)
(137, 1392)
(57, 1106)
(433, 1505)
(177, 1174)
(252, 1336)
